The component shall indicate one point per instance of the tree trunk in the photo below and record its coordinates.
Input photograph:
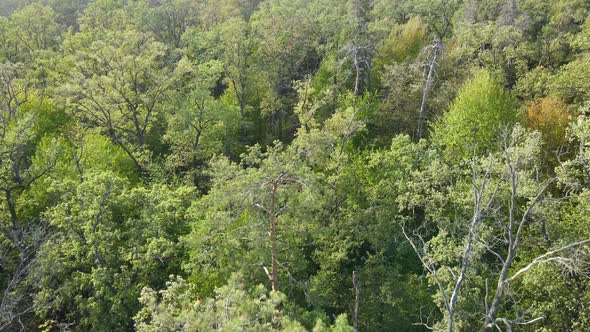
(491, 314)
(429, 80)
(361, 48)
(355, 315)
(274, 275)
(464, 264)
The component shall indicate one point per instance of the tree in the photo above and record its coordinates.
(287, 50)
(551, 117)
(474, 121)
(104, 15)
(366, 204)
(570, 82)
(68, 11)
(30, 31)
(404, 42)
(508, 202)
(110, 240)
(260, 208)
(361, 47)
(202, 125)
(236, 56)
(120, 86)
(438, 15)
(168, 20)
(21, 233)
(179, 308)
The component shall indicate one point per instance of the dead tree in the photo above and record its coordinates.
(360, 49)
(22, 237)
(498, 206)
(515, 230)
(429, 75)
(483, 199)
(438, 15)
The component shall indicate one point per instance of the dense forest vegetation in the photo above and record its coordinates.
(297, 165)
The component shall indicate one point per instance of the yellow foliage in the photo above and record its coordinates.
(550, 116)
(409, 39)
(405, 42)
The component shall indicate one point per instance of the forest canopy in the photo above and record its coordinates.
(294, 165)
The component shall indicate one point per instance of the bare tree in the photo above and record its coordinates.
(21, 237)
(514, 230)
(360, 49)
(498, 194)
(17, 300)
(483, 199)
(429, 76)
(438, 14)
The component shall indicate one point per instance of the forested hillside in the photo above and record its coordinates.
(296, 165)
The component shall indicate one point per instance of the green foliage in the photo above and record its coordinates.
(231, 308)
(402, 95)
(534, 84)
(475, 120)
(104, 15)
(179, 308)
(404, 42)
(364, 236)
(571, 81)
(29, 31)
(164, 164)
(272, 183)
(167, 20)
(202, 125)
(119, 86)
(110, 241)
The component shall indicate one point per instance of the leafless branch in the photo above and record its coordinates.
(546, 257)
